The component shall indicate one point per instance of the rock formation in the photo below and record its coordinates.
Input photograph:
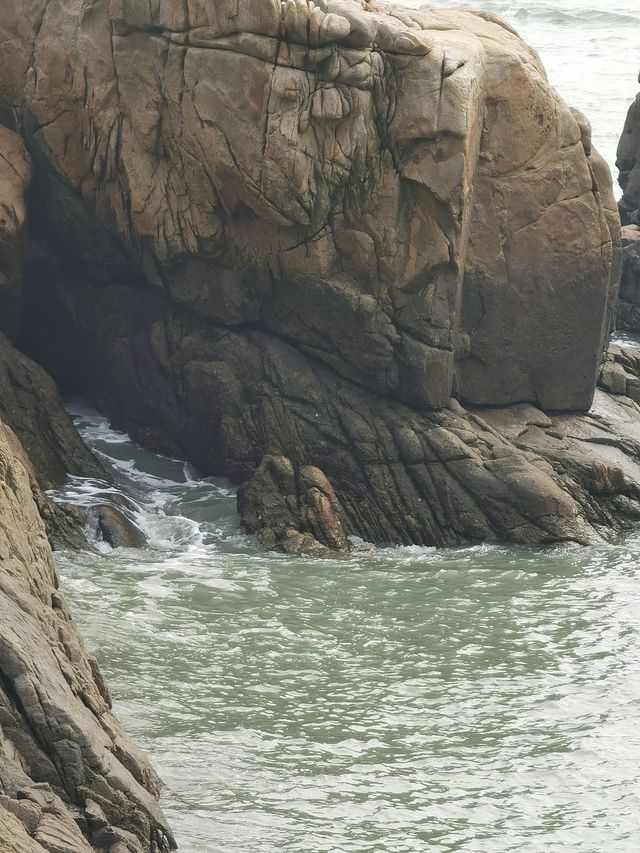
(70, 780)
(296, 230)
(629, 166)
(628, 314)
(628, 163)
(361, 260)
(295, 511)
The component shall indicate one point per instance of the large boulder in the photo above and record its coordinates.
(70, 779)
(629, 165)
(295, 230)
(375, 154)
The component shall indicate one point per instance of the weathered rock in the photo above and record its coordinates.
(15, 176)
(628, 314)
(117, 529)
(628, 163)
(295, 511)
(30, 404)
(62, 751)
(399, 208)
(376, 154)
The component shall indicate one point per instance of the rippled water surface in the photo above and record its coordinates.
(483, 700)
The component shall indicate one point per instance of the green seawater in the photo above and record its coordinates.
(481, 700)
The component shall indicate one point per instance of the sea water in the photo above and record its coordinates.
(481, 700)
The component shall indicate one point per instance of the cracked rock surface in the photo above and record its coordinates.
(70, 779)
(399, 193)
(629, 165)
(326, 233)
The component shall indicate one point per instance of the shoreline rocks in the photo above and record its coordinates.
(629, 165)
(70, 779)
(295, 511)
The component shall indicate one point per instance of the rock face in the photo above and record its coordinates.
(15, 176)
(295, 230)
(628, 163)
(29, 400)
(30, 404)
(629, 166)
(70, 780)
(295, 511)
(628, 314)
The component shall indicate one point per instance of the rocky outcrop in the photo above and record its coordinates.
(295, 511)
(628, 314)
(117, 529)
(629, 165)
(30, 404)
(397, 209)
(471, 475)
(70, 780)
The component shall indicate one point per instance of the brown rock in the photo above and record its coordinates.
(117, 529)
(399, 208)
(60, 743)
(15, 176)
(295, 511)
(376, 154)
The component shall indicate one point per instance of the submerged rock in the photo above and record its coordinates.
(118, 530)
(63, 754)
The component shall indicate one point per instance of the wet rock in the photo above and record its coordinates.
(117, 529)
(628, 314)
(66, 526)
(295, 511)
(62, 750)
